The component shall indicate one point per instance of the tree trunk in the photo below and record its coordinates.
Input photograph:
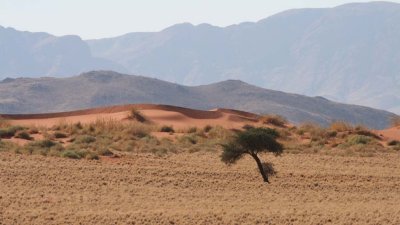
(260, 167)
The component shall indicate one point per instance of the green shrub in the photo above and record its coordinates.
(137, 116)
(85, 139)
(340, 126)
(24, 135)
(10, 131)
(275, 120)
(188, 139)
(168, 129)
(207, 128)
(192, 130)
(139, 130)
(359, 140)
(71, 154)
(60, 135)
(44, 143)
(393, 143)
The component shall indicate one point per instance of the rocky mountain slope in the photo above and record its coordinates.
(104, 88)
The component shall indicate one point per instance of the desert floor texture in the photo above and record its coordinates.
(199, 189)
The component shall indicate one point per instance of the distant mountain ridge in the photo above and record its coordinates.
(349, 53)
(105, 88)
(41, 54)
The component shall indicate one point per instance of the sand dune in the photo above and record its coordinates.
(391, 133)
(178, 117)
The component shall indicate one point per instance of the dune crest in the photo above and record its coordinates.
(179, 117)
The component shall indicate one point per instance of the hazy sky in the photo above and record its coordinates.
(106, 18)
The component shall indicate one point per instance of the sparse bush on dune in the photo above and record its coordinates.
(71, 154)
(84, 139)
(136, 115)
(9, 132)
(23, 135)
(340, 126)
(359, 139)
(139, 130)
(219, 133)
(207, 128)
(60, 135)
(393, 143)
(167, 129)
(275, 120)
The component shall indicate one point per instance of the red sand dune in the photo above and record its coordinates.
(178, 117)
(391, 133)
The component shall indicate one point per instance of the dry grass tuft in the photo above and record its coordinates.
(275, 120)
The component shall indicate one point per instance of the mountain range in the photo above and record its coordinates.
(348, 53)
(105, 88)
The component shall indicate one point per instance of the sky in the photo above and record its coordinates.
(92, 19)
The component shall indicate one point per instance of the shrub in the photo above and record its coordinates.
(85, 139)
(393, 143)
(168, 129)
(188, 139)
(219, 132)
(340, 126)
(44, 143)
(139, 130)
(192, 130)
(10, 131)
(60, 135)
(207, 128)
(275, 120)
(24, 135)
(359, 140)
(136, 115)
(71, 154)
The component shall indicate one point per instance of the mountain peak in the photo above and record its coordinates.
(373, 5)
(179, 27)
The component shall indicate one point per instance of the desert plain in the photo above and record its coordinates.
(195, 187)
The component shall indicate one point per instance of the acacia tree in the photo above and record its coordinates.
(252, 142)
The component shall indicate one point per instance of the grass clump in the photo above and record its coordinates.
(275, 120)
(340, 126)
(359, 140)
(84, 139)
(24, 135)
(167, 129)
(207, 128)
(60, 135)
(9, 132)
(71, 154)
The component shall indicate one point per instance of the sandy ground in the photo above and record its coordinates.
(199, 189)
